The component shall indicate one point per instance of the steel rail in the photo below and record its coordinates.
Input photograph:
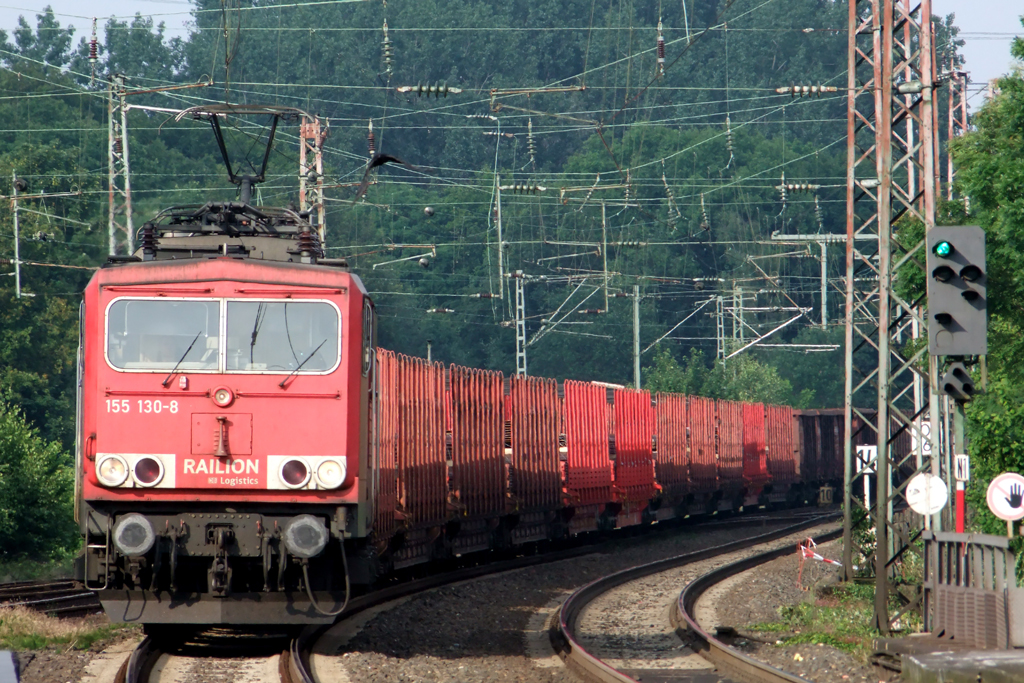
(60, 598)
(726, 658)
(294, 662)
(137, 667)
(592, 669)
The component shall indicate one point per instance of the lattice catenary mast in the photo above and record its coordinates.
(887, 40)
(119, 224)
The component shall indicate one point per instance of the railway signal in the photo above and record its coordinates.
(957, 383)
(957, 291)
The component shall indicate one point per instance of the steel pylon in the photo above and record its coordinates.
(891, 184)
(311, 170)
(119, 225)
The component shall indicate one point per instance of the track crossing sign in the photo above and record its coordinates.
(1006, 496)
(926, 494)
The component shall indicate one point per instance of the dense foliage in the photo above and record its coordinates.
(36, 486)
(990, 160)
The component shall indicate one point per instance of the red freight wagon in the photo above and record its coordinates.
(780, 430)
(703, 415)
(535, 481)
(422, 472)
(634, 437)
(588, 467)
(673, 461)
(384, 459)
(821, 446)
(755, 457)
(478, 440)
(730, 447)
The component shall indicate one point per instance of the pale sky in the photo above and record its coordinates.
(988, 26)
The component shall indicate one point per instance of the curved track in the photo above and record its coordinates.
(729, 659)
(293, 662)
(592, 669)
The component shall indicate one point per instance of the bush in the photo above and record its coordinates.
(36, 492)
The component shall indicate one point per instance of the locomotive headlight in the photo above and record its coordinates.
(133, 535)
(223, 397)
(148, 471)
(330, 474)
(112, 470)
(305, 536)
(295, 473)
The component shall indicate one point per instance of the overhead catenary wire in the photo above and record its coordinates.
(466, 178)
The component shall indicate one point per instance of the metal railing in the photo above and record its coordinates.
(970, 590)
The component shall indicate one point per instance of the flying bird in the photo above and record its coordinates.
(379, 159)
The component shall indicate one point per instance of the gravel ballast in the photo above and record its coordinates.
(756, 596)
(475, 631)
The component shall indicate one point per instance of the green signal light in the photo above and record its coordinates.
(943, 249)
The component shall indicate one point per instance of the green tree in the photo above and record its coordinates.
(48, 43)
(743, 378)
(38, 345)
(990, 173)
(36, 486)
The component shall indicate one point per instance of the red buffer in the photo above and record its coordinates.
(673, 461)
(730, 446)
(422, 475)
(478, 440)
(588, 467)
(780, 428)
(535, 481)
(634, 439)
(703, 416)
(385, 454)
(755, 458)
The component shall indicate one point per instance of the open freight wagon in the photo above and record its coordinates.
(468, 460)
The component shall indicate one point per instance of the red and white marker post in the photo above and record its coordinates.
(807, 552)
(962, 473)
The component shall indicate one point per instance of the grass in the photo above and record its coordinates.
(840, 616)
(25, 629)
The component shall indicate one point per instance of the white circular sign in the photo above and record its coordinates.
(927, 494)
(1006, 496)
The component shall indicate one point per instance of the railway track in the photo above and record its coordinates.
(595, 669)
(61, 598)
(727, 658)
(165, 658)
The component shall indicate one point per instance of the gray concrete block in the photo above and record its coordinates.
(974, 666)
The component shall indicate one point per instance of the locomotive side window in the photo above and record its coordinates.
(367, 337)
(145, 334)
(275, 336)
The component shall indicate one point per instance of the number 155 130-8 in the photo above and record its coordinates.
(144, 406)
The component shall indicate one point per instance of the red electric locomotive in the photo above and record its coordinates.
(224, 418)
(246, 454)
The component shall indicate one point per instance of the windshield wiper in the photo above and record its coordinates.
(302, 363)
(257, 324)
(167, 380)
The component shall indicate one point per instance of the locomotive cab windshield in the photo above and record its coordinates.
(260, 336)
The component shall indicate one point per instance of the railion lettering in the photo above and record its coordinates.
(218, 466)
